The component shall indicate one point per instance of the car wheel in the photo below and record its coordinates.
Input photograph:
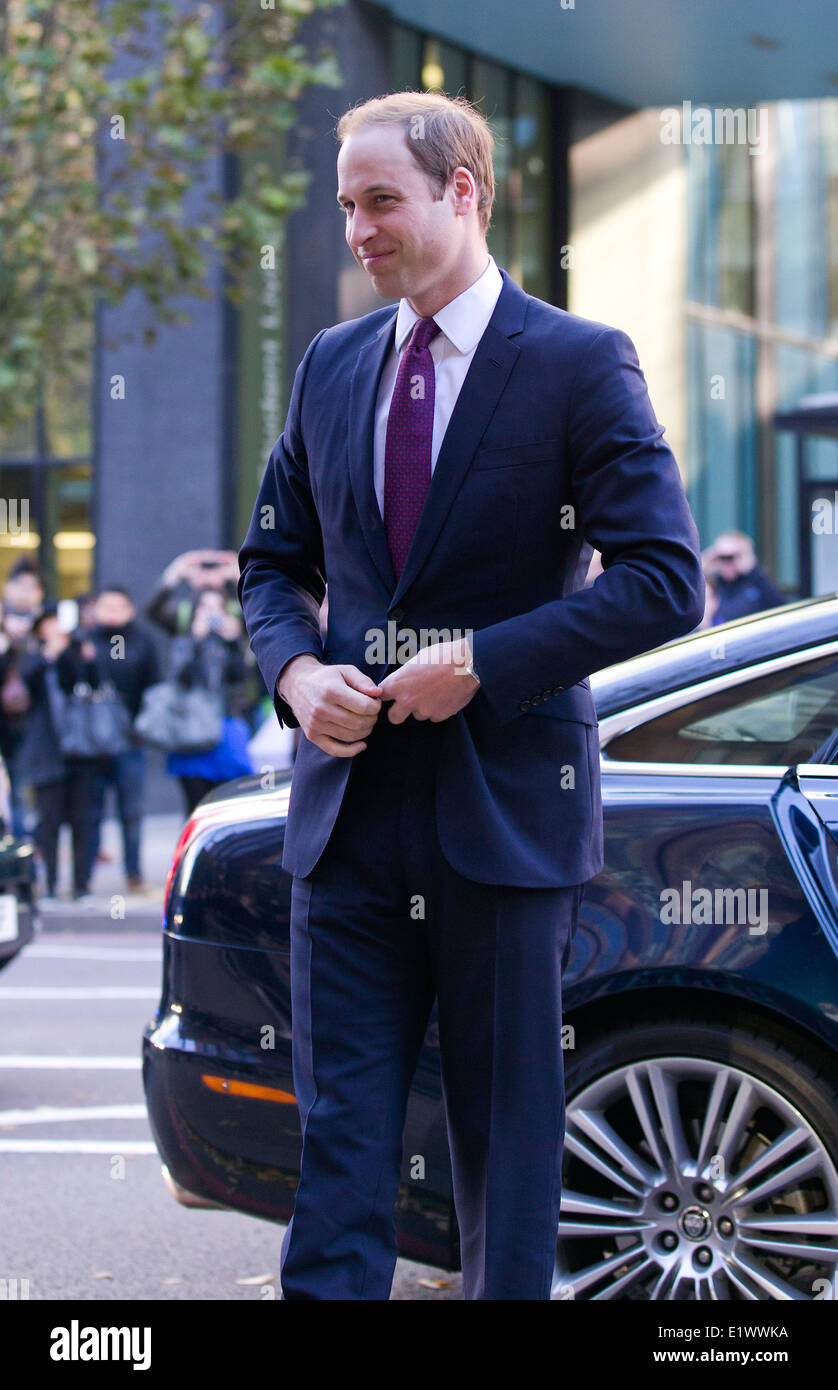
(700, 1162)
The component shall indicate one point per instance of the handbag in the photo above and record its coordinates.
(14, 693)
(177, 718)
(90, 721)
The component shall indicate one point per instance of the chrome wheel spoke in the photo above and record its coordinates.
(666, 1281)
(567, 1229)
(584, 1151)
(781, 1148)
(711, 1119)
(615, 1287)
(637, 1084)
(596, 1127)
(774, 1185)
(733, 1132)
(666, 1100)
(591, 1274)
(771, 1283)
(580, 1204)
(743, 1284)
(820, 1223)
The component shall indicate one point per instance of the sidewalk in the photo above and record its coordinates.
(115, 906)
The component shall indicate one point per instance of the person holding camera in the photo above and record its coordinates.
(211, 656)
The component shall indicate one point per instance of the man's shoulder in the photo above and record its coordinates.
(351, 332)
(552, 322)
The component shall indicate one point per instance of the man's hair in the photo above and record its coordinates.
(49, 610)
(441, 133)
(25, 564)
(109, 589)
(736, 535)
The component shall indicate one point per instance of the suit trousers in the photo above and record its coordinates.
(381, 927)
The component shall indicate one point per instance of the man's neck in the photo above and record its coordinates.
(462, 278)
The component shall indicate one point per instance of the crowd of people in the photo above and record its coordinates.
(96, 654)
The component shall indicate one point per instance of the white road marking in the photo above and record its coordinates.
(78, 1146)
(79, 992)
(50, 1114)
(91, 953)
(35, 1062)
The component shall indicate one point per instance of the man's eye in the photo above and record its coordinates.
(388, 197)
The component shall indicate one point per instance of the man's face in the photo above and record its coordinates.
(210, 606)
(733, 557)
(50, 630)
(390, 212)
(113, 609)
(23, 592)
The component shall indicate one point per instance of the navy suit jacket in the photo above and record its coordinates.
(552, 448)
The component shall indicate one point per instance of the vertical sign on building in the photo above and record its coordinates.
(261, 363)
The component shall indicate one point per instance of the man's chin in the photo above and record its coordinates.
(378, 269)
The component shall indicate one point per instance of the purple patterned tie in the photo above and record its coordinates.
(407, 452)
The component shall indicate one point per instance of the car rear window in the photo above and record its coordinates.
(771, 720)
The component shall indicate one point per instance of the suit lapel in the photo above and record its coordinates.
(488, 373)
(363, 391)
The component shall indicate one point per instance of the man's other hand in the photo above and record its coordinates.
(336, 706)
(433, 684)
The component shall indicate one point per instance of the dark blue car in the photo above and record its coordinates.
(701, 999)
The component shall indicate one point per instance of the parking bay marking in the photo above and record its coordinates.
(34, 1062)
(79, 992)
(50, 1114)
(78, 1146)
(47, 952)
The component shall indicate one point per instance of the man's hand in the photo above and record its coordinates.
(432, 685)
(337, 706)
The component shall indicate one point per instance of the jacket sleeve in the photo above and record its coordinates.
(162, 606)
(631, 506)
(282, 579)
(150, 668)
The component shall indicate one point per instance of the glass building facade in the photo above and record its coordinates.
(762, 324)
(519, 113)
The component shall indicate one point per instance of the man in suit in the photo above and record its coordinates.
(447, 464)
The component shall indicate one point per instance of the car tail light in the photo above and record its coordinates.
(180, 849)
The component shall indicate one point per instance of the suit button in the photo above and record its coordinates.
(524, 705)
(397, 615)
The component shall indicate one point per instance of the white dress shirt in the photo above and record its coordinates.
(462, 322)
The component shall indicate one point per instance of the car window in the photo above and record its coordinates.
(778, 719)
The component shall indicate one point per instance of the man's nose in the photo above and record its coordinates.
(360, 231)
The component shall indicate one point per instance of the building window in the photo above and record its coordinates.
(492, 93)
(46, 477)
(530, 188)
(830, 148)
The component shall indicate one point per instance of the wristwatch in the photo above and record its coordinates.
(469, 668)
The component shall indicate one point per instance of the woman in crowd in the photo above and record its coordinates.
(63, 786)
(210, 656)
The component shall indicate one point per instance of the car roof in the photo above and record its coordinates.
(712, 651)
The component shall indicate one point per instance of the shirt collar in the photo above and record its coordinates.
(464, 319)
